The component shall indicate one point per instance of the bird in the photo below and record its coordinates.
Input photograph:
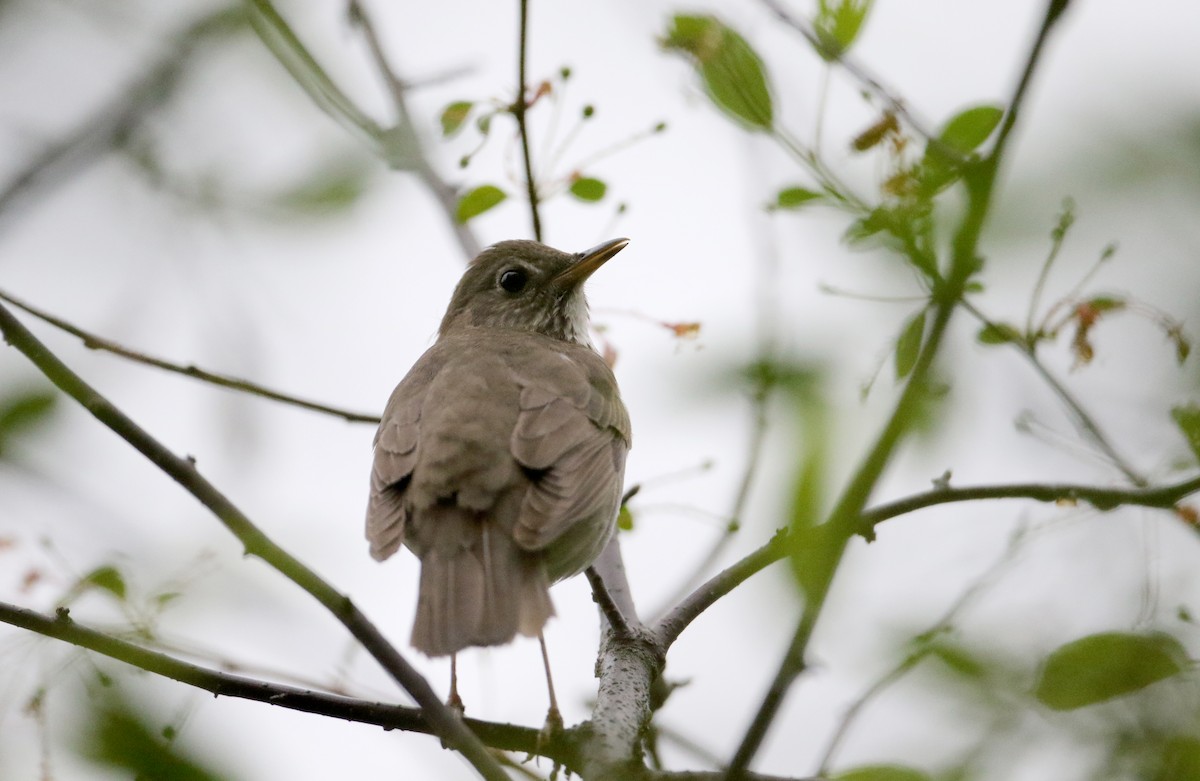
(500, 457)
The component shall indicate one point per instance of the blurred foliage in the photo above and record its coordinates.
(732, 72)
(23, 411)
(119, 736)
(1102, 666)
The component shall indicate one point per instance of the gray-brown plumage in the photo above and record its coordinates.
(501, 455)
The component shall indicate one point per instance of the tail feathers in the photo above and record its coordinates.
(482, 593)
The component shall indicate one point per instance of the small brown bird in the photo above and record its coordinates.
(500, 458)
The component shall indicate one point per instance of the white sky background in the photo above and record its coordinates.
(339, 309)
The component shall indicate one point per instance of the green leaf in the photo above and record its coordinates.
(881, 773)
(120, 739)
(23, 410)
(625, 519)
(733, 74)
(332, 187)
(454, 116)
(968, 129)
(838, 24)
(1179, 759)
(478, 201)
(107, 578)
(958, 659)
(795, 197)
(908, 346)
(588, 189)
(1187, 418)
(999, 333)
(1100, 667)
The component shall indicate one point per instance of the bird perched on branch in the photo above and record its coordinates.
(500, 457)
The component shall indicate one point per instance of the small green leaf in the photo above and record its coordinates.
(795, 197)
(837, 25)
(625, 519)
(1187, 418)
(1102, 666)
(107, 578)
(908, 346)
(454, 116)
(968, 129)
(24, 410)
(999, 333)
(478, 201)
(881, 773)
(732, 72)
(588, 189)
(958, 659)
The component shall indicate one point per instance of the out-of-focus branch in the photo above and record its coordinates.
(1165, 497)
(404, 135)
(922, 650)
(94, 342)
(447, 724)
(109, 127)
(1086, 424)
(860, 74)
(507, 737)
(399, 145)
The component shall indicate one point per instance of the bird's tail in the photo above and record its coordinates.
(480, 590)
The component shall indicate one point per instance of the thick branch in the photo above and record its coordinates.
(94, 342)
(183, 471)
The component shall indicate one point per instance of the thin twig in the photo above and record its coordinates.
(670, 626)
(183, 471)
(519, 107)
(95, 342)
(608, 607)
(507, 737)
(405, 130)
(862, 75)
(1164, 497)
(1088, 425)
(754, 450)
(939, 627)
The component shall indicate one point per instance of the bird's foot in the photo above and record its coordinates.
(551, 729)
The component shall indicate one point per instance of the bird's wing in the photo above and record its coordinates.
(571, 435)
(396, 456)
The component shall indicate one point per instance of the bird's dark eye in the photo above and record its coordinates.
(513, 280)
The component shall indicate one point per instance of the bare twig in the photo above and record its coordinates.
(608, 607)
(94, 342)
(911, 660)
(1103, 498)
(447, 724)
(673, 623)
(507, 737)
(754, 450)
(519, 107)
(1088, 425)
